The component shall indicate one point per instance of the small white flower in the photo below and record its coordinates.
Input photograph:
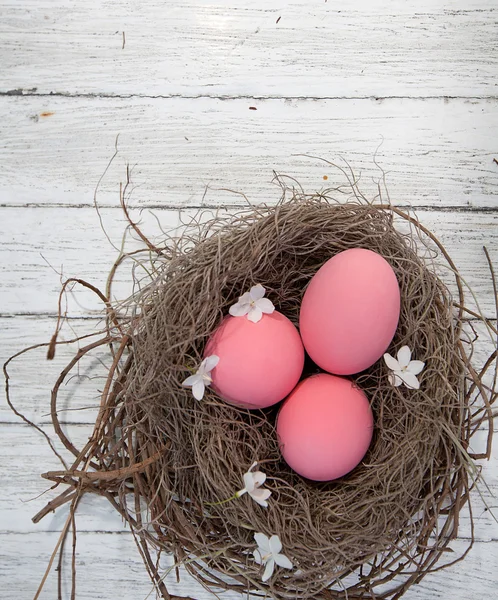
(252, 485)
(253, 304)
(404, 370)
(268, 554)
(202, 377)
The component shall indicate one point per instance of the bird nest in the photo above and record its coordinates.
(169, 464)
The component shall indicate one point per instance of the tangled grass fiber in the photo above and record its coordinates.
(165, 461)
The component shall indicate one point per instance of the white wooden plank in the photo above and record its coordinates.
(46, 248)
(79, 396)
(71, 240)
(436, 152)
(26, 455)
(109, 566)
(194, 47)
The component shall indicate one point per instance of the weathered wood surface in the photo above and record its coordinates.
(326, 80)
(227, 48)
(27, 455)
(437, 153)
(108, 566)
(79, 396)
(40, 243)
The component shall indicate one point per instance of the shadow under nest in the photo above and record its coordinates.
(164, 460)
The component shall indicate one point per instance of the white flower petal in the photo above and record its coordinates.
(261, 502)
(391, 362)
(253, 465)
(255, 314)
(397, 380)
(263, 542)
(404, 356)
(241, 493)
(275, 544)
(240, 309)
(394, 379)
(270, 567)
(246, 298)
(258, 477)
(198, 389)
(415, 367)
(265, 306)
(257, 292)
(257, 557)
(410, 380)
(201, 369)
(210, 362)
(260, 496)
(282, 561)
(249, 482)
(190, 381)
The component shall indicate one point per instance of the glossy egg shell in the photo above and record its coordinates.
(260, 363)
(350, 311)
(324, 427)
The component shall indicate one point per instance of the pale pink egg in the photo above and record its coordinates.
(324, 427)
(350, 311)
(260, 363)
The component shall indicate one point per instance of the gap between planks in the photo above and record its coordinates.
(228, 207)
(125, 532)
(33, 93)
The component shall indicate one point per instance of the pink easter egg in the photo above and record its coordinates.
(350, 311)
(324, 427)
(260, 363)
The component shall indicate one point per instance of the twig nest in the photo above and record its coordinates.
(208, 503)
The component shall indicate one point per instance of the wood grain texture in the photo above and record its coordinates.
(36, 245)
(26, 455)
(436, 153)
(108, 566)
(226, 48)
(177, 80)
(79, 396)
